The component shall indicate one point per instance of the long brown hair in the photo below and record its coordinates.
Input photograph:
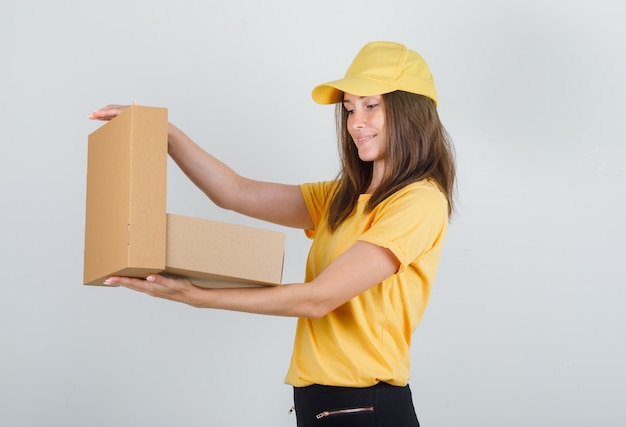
(418, 147)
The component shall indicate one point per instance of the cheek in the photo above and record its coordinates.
(350, 124)
(350, 129)
(380, 122)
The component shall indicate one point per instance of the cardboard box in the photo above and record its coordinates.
(129, 233)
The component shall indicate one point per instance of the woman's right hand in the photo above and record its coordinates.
(109, 112)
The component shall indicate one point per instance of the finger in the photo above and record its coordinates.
(138, 285)
(128, 282)
(168, 285)
(104, 115)
(101, 115)
(154, 285)
(107, 112)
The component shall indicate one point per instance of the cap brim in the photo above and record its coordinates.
(332, 92)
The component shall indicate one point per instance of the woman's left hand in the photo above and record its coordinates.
(174, 289)
(109, 112)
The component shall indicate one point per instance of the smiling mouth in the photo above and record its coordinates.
(364, 139)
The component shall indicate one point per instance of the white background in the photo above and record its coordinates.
(526, 324)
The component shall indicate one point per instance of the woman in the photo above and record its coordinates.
(377, 231)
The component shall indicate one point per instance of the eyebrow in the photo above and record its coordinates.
(360, 97)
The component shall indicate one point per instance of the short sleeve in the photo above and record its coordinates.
(410, 223)
(317, 198)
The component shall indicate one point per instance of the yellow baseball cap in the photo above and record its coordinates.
(379, 68)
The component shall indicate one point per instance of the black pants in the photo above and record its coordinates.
(382, 405)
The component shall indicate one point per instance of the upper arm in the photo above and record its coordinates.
(277, 203)
(356, 270)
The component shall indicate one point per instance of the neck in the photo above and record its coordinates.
(378, 169)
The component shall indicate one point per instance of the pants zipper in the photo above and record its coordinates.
(344, 411)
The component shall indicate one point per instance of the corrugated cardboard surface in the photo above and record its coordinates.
(216, 254)
(129, 233)
(125, 223)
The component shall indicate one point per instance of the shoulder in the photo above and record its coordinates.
(423, 192)
(318, 193)
(321, 187)
(317, 197)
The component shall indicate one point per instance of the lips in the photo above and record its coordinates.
(362, 139)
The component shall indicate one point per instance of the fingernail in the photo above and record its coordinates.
(151, 278)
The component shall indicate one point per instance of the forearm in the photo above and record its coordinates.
(293, 300)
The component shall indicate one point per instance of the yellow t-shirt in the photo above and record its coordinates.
(367, 339)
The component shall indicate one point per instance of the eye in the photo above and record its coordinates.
(371, 106)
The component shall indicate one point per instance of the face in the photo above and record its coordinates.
(366, 125)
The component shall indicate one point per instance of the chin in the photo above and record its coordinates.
(369, 158)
